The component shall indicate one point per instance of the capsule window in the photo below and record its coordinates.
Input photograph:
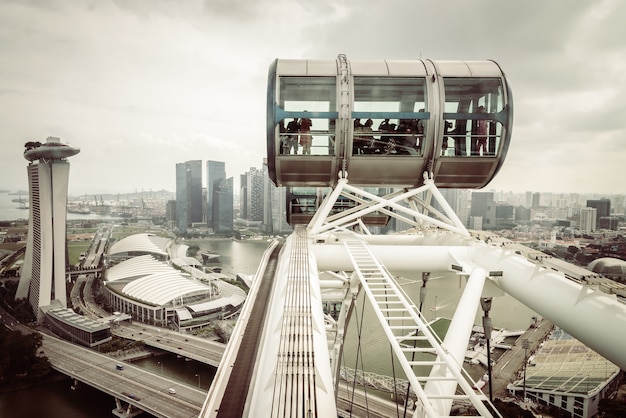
(303, 200)
(307, 136)
(471, 127)
(389, 116)
(308, 107)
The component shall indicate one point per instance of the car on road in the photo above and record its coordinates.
(131, 396)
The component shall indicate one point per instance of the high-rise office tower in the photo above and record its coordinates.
(255, 195)
(42, 277)
(181, 198)
(278, 207)
(189, 200)
(536, 201)
(483, 205)
(602, 206)
(215, 173)
(222, 206)
(243, 196)
(268, 220)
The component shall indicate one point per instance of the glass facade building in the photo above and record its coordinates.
(222, 206)
(215, 174)
(189, 202)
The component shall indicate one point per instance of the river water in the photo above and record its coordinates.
(10, 210)
(57, 400)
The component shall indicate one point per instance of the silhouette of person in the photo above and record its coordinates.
(481, 133)
(387, 142)
(459, 137)
(292, 141)
(331, 136)
(305, 135)
(444, 144)
(284, 139)
(357, 142)
(368, 139)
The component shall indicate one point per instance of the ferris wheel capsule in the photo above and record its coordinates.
(387, 122)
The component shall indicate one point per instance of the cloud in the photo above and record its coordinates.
(142, 85)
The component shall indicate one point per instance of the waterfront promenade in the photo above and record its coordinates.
(506, 367)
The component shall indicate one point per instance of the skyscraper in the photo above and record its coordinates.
(278, 207)
(42, 277)
(483, 205)
(535, 201)
(243, 196)
(215, 173)
(602, 206)
(188, 194)
(255, 195)
(588, 219)
(222, 206)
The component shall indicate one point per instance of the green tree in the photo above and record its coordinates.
(18, 356)
(610, 408)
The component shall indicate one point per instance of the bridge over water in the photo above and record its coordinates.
(133, 388)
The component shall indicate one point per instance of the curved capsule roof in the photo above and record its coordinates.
(386, 123)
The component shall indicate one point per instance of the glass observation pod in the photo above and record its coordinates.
(387, 122)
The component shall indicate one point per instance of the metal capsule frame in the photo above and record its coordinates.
(453, 122)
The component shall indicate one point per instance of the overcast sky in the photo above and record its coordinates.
(141, 85)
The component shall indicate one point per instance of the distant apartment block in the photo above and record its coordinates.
(588, 218)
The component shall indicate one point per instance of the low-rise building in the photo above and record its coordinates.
(566, 374)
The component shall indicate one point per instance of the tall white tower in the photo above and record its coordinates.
(43, 272)
(588, 219)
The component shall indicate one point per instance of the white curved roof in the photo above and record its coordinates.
(153, 281)
(608, 265)
(142, 265)
(178, 254)
(149, 243)
(163, 288)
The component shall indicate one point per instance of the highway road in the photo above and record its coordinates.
(196, 348)
(133, 385)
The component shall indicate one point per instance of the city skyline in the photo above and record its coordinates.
(181, 81)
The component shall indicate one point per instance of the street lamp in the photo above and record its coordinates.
(487, 331)
(198, 376)
(525, 346)
(160, 364)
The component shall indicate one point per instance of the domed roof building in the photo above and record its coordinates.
(612, 268)
(152, 279)
(139, 244)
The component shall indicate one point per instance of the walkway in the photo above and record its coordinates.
(507, 366)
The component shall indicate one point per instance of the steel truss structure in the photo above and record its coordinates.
(435, 381)
(336, 258)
